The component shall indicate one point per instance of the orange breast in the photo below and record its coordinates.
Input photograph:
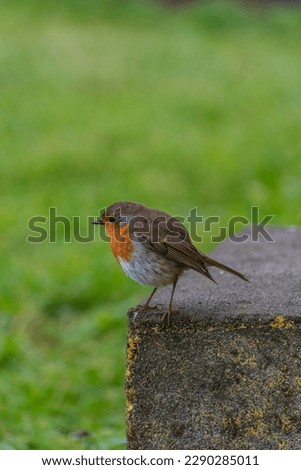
(121, 244)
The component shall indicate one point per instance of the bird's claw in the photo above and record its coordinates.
(144, 307)
(165, 320)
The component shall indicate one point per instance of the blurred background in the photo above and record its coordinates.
(176, 107)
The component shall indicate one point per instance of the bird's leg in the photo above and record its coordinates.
(146, 305)
(168, 312)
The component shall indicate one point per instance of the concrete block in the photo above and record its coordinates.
(226, 374)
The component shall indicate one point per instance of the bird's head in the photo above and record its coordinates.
(119, 214)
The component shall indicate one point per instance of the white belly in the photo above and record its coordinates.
(153, 269)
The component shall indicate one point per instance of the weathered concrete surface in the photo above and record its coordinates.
(226, 374)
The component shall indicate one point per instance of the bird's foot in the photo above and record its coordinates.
(153, 307)
(165, 320)
(144, 307)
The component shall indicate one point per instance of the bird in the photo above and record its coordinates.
(154, 248)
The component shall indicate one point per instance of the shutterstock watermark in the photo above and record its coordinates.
(54, 227)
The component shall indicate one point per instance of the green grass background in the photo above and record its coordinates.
(110, 100)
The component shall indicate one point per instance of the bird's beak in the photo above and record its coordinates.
(98, 222)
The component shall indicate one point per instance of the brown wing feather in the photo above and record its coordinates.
(186, 254)
(172, 240)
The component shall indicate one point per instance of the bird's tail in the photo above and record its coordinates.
(212, 262)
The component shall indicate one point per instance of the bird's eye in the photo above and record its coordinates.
(111, 219)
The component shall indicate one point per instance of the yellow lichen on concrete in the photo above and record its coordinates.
(131, 353)
(286, 424)
(132, 348)
(282, 445)
(298, 380)
(249, 361)
(255, 413)
(278, 379)
(281, 322)
(129, 398)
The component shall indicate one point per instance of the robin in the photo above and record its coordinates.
(154, 248)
